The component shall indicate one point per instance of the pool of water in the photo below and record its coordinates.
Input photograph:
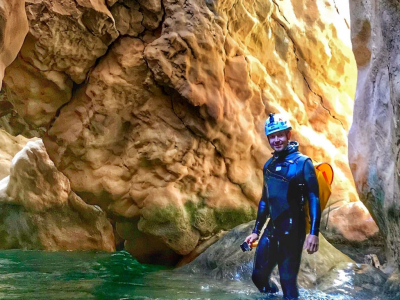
(98, 275)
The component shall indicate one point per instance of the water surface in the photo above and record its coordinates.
(112, 276)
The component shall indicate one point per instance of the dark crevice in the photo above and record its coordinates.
(283, 16)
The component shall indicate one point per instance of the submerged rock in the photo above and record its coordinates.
(327, 271)
(360, 281)
(225, 259)
(38, 210)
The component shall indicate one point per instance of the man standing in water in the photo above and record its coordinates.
(289, 178)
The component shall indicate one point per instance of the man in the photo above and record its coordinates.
(289, 179)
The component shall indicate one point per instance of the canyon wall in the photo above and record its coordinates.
(155, 110)
(374, 136)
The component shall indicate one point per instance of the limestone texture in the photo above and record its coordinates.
(38, 210)
(9, 146)
(374, 136)
(155, 109)
(64, 41)
(167, 132)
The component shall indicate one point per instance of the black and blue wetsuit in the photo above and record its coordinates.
(287, 176)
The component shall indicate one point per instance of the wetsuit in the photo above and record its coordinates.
(287, 176)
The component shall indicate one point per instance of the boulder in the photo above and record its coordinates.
(9, 146)
(38, 210)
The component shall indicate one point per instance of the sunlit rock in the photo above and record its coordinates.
(167, 131)
(350, 222)
(374, 136)
(9, 146)
(351, 229)
(38, 210)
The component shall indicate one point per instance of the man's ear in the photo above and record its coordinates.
(289, 134)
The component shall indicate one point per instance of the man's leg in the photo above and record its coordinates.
(290, 248)
(264, 262)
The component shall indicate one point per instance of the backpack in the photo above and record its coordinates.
(324, 173)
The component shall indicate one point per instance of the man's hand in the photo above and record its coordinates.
(311, 243)
(251, 238)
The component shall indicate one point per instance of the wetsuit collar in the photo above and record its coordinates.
(292, 147)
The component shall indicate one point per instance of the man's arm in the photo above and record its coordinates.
(262, 214)
(312, 188)
(263, 211)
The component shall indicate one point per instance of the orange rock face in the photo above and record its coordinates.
(349, 222)
(156, 109)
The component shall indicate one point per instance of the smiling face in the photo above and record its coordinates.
(279, 140)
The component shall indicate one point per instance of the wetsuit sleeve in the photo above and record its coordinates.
(312, 188)
(263, 211)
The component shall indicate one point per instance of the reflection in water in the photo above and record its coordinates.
(98, 275)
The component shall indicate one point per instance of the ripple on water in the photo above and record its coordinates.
(116, 276)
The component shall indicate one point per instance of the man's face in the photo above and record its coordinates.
(279, 140)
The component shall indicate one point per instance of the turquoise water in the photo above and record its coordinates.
(97, 275)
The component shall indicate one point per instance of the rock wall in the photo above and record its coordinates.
(374, 136)
(155, 110)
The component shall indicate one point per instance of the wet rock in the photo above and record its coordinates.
(360, 281)
(38, 210)
(225, 260)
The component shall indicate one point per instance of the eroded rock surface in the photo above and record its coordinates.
(156, 109)
(167, 135)
(64, 41)
(374, 136)
(9, 146)
(38, 210)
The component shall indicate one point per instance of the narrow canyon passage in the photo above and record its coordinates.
(152, 119)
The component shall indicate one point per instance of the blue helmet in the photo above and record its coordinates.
(275, 123)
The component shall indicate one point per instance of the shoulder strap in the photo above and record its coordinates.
(300, 162)
(269, 161)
